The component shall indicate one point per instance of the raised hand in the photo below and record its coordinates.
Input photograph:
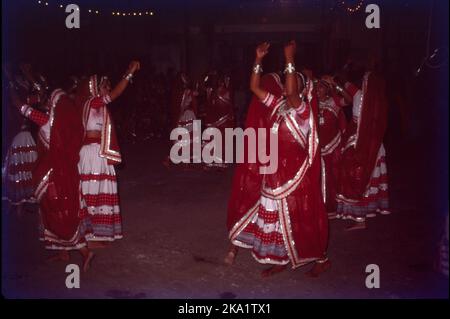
(261, 50)
(134, 66)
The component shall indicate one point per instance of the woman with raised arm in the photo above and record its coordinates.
(288, 223)
(100, 151)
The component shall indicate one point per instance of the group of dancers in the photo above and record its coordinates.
(69, 170)
(328, 167)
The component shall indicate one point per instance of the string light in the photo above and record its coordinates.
(114, 13)
(354, 8)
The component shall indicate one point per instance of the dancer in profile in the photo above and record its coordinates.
(363, 179)
(332, 123)
(98, 155)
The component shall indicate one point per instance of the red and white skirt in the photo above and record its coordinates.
(17, 169)
(78, 240)
(376, 198)
(263, 235)
(99, 194)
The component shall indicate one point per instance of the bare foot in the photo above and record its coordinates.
(273, 270)
(356, 226)
(231, 255)
(87, 258)
(319, 268)
(63, 255)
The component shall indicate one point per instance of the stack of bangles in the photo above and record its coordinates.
(128, 77)
(289, 69)
(257, 69)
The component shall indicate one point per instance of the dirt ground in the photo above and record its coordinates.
(175, 239)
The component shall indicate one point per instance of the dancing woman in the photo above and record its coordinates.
(22, 154)
(65, 226)
(219, 111)
(287, 223)
(332, 125)
(98, 154)
(363, 186)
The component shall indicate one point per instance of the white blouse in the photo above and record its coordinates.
(95, 120)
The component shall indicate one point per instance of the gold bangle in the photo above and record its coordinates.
(257, 68)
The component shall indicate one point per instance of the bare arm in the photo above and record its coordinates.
(34, 115)
(347, 97)
(122, 85)
(255, 78)
(292, 92)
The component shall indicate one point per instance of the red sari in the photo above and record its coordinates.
(285, 220)
(363, 187)
(332, 125)
(65, 225)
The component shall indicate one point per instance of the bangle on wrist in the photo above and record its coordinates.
(290, 68)
(257, 68)
(128, 77)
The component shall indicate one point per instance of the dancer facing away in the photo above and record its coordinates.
(100, 151)
(64, 225)
(288, 222)
(363, 181)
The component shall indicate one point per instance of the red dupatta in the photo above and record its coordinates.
(247, 180)
(363, 139)
(58, 171)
